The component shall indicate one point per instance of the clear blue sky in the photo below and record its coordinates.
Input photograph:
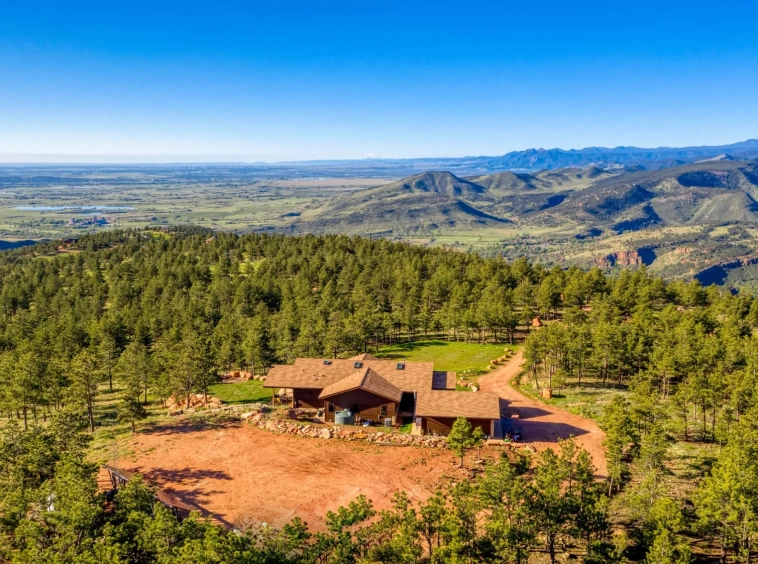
(282, 79)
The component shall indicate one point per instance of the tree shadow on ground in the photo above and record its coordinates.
(183, 475)
(537, 431)
(194, 498)
(542, 431)
(195, 495)
(184, 427)
(523, 412)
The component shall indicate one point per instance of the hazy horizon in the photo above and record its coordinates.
(126, 159)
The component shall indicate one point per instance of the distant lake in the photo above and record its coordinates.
(83, 208)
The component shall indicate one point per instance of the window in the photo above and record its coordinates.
(331, 408)
(383, 410)
(355, 408)
(357, 364)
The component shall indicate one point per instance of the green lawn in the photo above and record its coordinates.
(453, 356)
(244, 392)
(589, 400)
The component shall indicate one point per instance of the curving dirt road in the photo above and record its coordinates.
(542, 424)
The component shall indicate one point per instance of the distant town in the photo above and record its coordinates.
(90, 221)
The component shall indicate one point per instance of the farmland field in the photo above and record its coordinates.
(53, 203)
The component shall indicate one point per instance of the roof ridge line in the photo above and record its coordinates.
(366, 371)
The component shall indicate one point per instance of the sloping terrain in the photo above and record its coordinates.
(544, 425)
(670, 219)
(421, 204)
(620, 200)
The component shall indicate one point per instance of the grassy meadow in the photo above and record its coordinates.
(446, 355)
(244, 392)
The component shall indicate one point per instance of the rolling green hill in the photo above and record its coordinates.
(710, 191)
(421, 204)
(586, 216)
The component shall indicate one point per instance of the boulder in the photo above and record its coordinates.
(325, 434)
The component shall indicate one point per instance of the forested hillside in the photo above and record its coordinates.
(196, 306)
(163, 312)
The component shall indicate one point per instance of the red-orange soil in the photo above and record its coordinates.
(543, 425)
(239, 472)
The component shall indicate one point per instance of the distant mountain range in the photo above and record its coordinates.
(543, 159)
(530, 160)
(658, 158)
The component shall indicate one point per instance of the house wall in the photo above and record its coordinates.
(369, 406)
(442, 425)
(304, 397)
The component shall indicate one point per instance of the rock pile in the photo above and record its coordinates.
(237, 376)
(473, 386)
(197, 401)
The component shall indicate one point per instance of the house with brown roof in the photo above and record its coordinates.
(377, 390)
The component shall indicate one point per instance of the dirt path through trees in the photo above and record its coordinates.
(543, 425)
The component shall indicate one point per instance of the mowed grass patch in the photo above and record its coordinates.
(244, 392)
(452, 356)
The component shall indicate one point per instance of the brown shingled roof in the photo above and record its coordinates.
(317, 374)
(448, 403)
(365, 379)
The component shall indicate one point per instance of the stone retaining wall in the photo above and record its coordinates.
(259, 419)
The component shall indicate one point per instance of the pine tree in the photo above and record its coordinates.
(459, 438)
(86, 375)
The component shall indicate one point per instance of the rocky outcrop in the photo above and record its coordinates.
(620, 258)
(635, 257)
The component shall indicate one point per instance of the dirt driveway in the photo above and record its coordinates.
(239, 472)
(542, 424)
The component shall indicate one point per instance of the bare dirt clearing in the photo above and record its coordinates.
(543, 425)
(238, 472)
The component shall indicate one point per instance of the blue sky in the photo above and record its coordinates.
(268, 81)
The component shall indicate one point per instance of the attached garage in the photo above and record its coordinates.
(437, 410)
